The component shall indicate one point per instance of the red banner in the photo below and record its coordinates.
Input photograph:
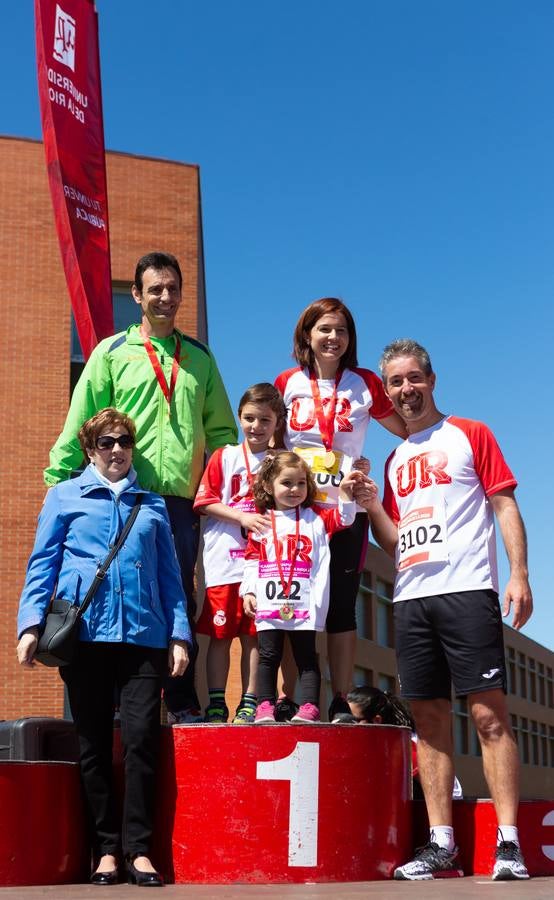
(71, 109)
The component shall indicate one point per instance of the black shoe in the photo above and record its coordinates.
(105, 877)
(285, 709)
(185, 717)
(338, 705)
(142, 879)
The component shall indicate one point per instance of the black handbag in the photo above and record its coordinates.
(59, 636)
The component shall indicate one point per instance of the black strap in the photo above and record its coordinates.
(103, 568)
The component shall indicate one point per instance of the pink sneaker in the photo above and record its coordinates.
(308, 714)
(265, 713)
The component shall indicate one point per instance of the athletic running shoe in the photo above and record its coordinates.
(430, 862)
(216, 714)
(307, 714)
(285, 709)
(509, 865)
(244, 715)
(265, 713)
(338, 705)
(185, 717)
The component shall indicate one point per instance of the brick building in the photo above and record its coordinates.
(152, 204)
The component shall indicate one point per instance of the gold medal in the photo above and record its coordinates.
(286, 613)
(329, 459)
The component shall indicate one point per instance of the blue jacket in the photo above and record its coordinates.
(141, 600)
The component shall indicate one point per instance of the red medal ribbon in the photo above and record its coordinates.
(326, 422)
(279, 554)
(158, 371)
(249, 476)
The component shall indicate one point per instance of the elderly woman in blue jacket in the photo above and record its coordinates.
(133, 632)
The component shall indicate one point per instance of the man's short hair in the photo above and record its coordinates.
(405, 347)
(156, 260)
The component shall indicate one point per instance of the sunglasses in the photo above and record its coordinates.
(107, 442)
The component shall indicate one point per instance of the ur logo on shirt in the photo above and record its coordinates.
(418, 471)
(303, 415)
(288, 547)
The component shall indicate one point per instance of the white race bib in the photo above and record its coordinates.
(422, 537)
(271, 599)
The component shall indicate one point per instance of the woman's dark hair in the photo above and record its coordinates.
(302, 351)
(374, 702)
(264, 392)
(104, 420)
(271, 468)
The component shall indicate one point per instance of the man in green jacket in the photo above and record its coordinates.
(170, 385)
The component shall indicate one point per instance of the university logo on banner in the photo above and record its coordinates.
(64, 38)
(71, 110)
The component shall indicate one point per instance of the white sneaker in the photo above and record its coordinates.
(509, 865)
(430, 862)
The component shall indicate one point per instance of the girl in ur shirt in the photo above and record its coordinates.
(286, 574)
(225, 498)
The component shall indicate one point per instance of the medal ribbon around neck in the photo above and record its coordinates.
(326, 422)
(249, 476)
(279, 554)
(168, 391)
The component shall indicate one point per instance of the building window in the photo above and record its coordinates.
(535, 750)
(542, 685)
(532, 681)
(512, 682)
(544, 744)
(474, 742)
(551, 746)
(524, 741)
(461, 726)
(385, 631)
(362, 676)
(522, 672)
(364, 608)
(549, 688)
(125, 313)
(515, 728)
(386, 683)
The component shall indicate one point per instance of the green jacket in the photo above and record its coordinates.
(169, 454)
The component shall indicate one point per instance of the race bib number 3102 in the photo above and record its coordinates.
(422, 537)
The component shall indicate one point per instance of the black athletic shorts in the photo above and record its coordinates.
(449, 638)
(348, 548)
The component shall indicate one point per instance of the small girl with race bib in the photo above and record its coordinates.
(225, 497)
(286, 573)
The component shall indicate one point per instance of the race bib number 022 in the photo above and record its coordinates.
(422, 537)
(273, 601)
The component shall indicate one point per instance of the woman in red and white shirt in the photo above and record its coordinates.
(330, 401)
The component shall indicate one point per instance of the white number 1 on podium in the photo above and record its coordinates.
(301, 768)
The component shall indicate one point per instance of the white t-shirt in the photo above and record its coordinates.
(225, 480)
(436, 487)
(360, 396)
(306, 606)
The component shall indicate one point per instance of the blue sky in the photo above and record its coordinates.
(396, 154)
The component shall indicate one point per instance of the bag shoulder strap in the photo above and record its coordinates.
(103, 568)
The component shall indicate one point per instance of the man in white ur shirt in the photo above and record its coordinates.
(443, 487)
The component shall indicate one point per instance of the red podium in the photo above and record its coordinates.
(283, 803)
(43, 837)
